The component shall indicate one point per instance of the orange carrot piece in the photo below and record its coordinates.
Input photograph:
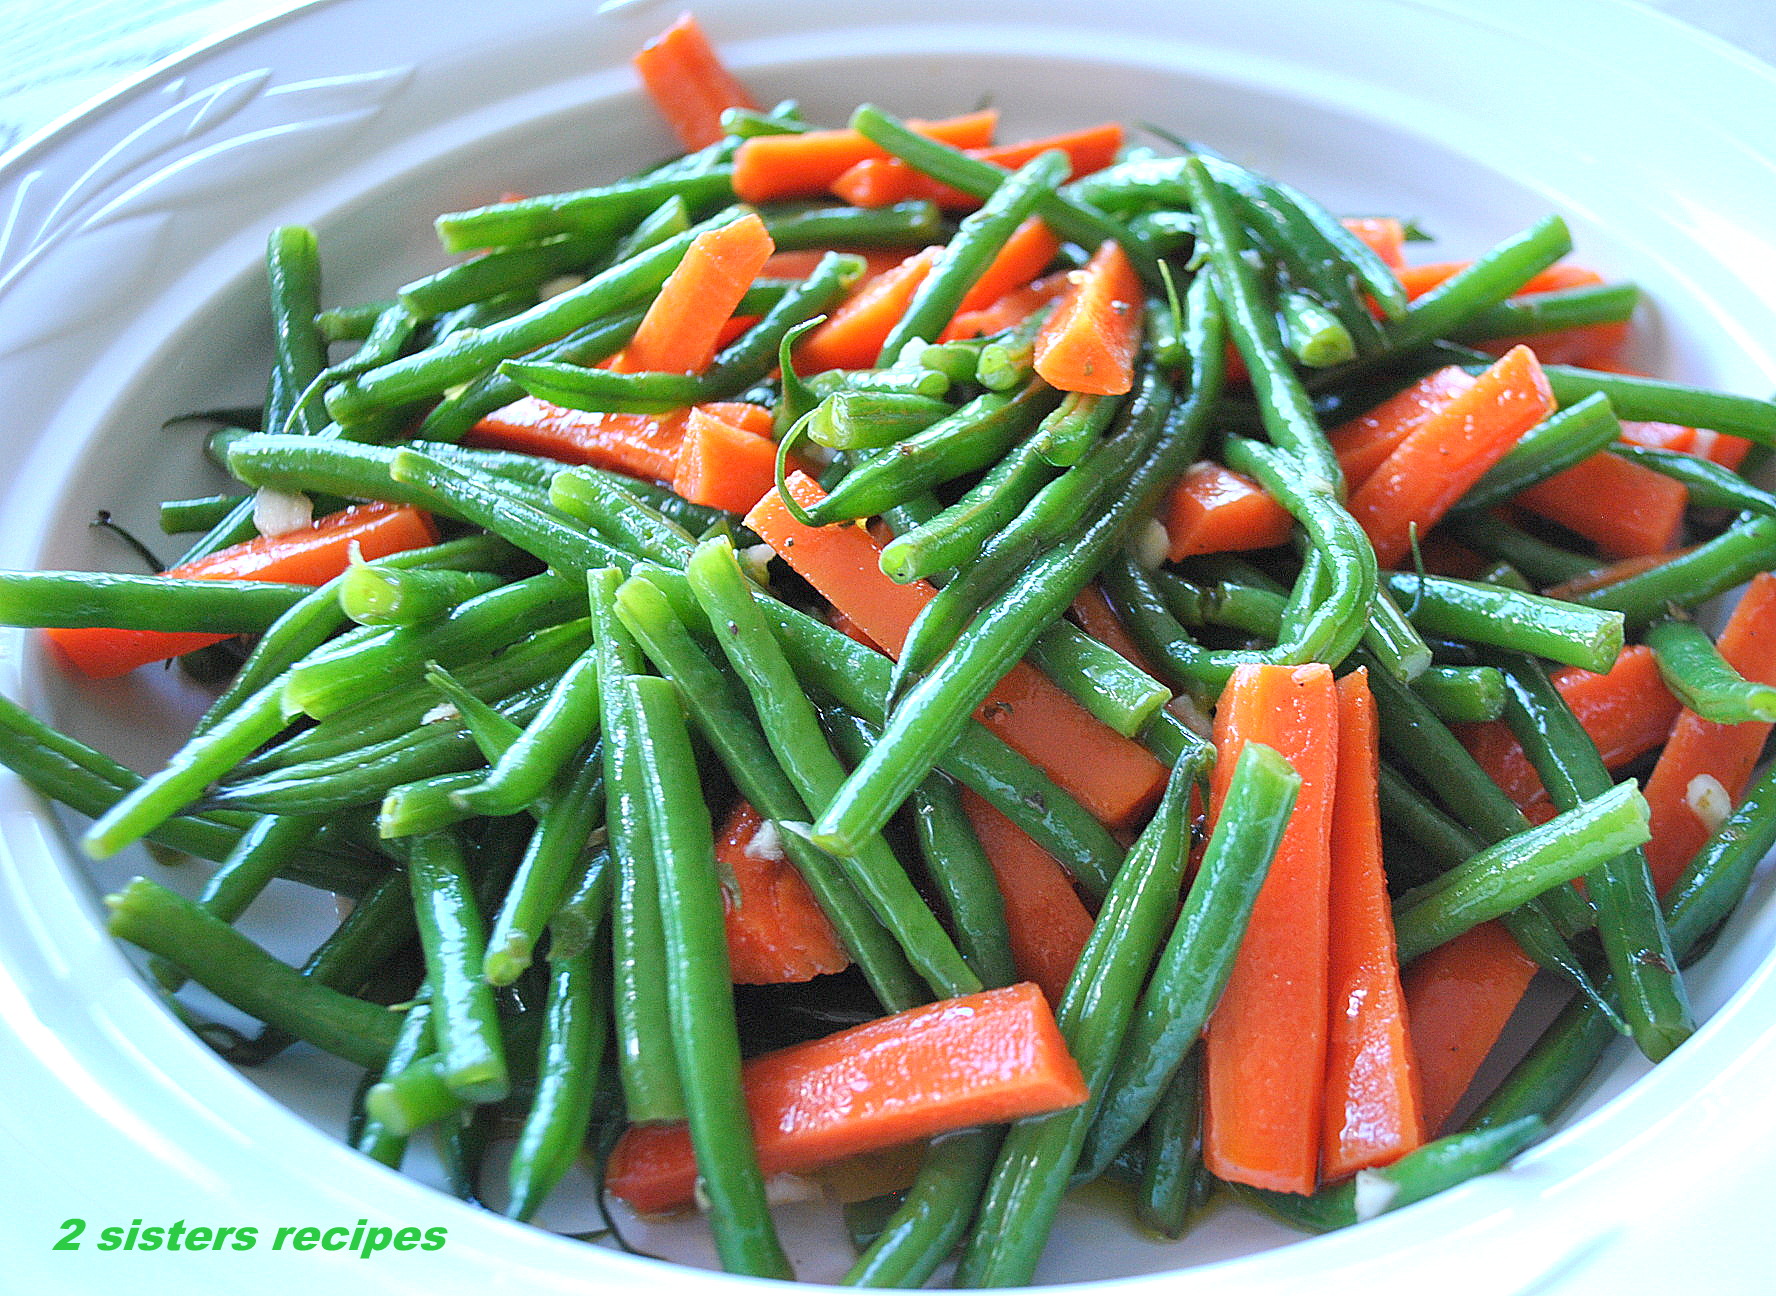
(1627, 711)
(1114, 777)
(1088, 344)
(1044, 917)
(1364, 443)
(1458, 998)
(1626, 509)
(641, 445)
(1026, 255)
(1431, 469)
(776, 931)
(1659, 436)
(769, 167)
(852, 336)
(1372, 1115)
(1698, 749)
(688, 83)
(981, 1059)
(1419, 280)
(876, 182)
(1213, 509)
(310, 555)
(1609, 574)
(1099, 620)
(722, 465)
(1013, 308)
(1265, 1057)
(680, 331)
(1385, 235)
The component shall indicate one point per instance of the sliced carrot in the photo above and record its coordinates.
(1627, 711)
(1026, 255)
(982, 1059)
(1114, 777)
(1265, 1058)
(1706, 767)
(641, 445)
(1419, 280)
(1088, 344)
(1044, 917)
(877, 182)
(1385, 235)
(1458, 998)
(1099, 620)
(1659, 436)
(723, 465)
(1626, 509)
(1010, 310)
(1433, 467)
(310, 555)
(852, 336)
(680, 331)
(776, 931)
(1609, 574)
(1213, 509)
(688, 83)
(1372, 1115)
(1364, 443)
(769, 167)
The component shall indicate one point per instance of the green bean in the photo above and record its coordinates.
(569, 1057)
(982, 234)
(584, 214)
(1393, 640)
(1113, 689)
(521, 266)
(566, 722)
(1553, 446)
(1703, 680)
(1031, 1174)
(910, 380)
(1313, 334)
(1629, 924)
(1076, 221)
(1169, 232)
(932, 1215)
(1198, 957)
(727, 722)
(351, 323)
(955, 862)
(1073, 427)
(960, 533)
(1690, 578)
(1235, 606)
(1419, 1174)
(1407, 811)
(749, 358)
(1507, 618)
(704, 1035)
(1173, 1179)
(1655, 401)
(594, 497)
(463, 357)
(693, 519)
(748, 123)
(1496, 275)
(587, 903)
(233, 968)
(464, 1021)
(1511, 872)
(865, 420)
(793, 732)
(1709, 485)
(373, 1137)
(293, 269)
(903, 224)
(554, 859)
(159, 603)
(1463, 694)
(1542, 562)
(492, 733)
(374, 595)
(196, 514)
(1548, 312)
(414, 1097)
(970, 439)
(959, 360)
(1007, 361)
(299, 463)
(604, 390)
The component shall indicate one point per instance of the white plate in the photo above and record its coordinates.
(129, 262)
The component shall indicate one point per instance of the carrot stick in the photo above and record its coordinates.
(1431, 469)
(1419, 280)
(1364, 443)
(722, 464)
(776, 931)
(982, 1059)
(641, 445)
(1112, 776)
(688, 83)
(769, 167)
(1609, 574)
(1372, 1106)
(1265, 1058)
(1213, 509)
(1385, 235)
(1013, 308)
(1088, 344)
(1626, 509)
(1026, 255)
(682, 328)
(310, 555)
(1044, 917)
(1627, 711)
(876, 182)
(1458, 999)
(852, 335)
(1702, 756)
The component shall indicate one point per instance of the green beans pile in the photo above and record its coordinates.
(510, 749)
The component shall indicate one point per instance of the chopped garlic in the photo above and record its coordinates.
(443, 711)
(1374, 1195)
(1149, 548)
(1708, 801)
(558, 285)
(277, 512)
(767, 843)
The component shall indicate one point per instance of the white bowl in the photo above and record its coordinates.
(129, 260)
